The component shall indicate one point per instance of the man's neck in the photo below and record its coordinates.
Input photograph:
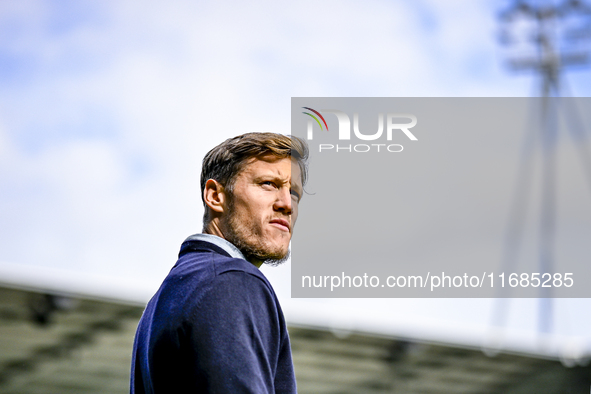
(213, 228)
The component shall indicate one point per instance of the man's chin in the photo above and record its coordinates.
(268, 254)
(274, 262)
(265, 257)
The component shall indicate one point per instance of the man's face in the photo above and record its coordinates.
(263, 207)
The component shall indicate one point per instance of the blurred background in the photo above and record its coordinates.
(107, 108)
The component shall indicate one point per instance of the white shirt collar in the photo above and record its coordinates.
(228, 247)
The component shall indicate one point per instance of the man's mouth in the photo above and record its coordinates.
(281, 224)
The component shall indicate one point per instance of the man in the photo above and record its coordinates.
(215, 325)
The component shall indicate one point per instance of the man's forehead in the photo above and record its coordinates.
(273, 165)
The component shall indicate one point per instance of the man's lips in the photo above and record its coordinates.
(282, 224)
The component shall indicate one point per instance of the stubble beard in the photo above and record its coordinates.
(240, 235)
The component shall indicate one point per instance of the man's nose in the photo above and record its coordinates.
(283, 201)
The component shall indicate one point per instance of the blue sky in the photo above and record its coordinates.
(107, 108)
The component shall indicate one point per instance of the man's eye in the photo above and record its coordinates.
(268, 183)
(295, 194)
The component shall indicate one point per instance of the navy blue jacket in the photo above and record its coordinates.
(214, 326)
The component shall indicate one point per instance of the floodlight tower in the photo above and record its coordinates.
(547, 37)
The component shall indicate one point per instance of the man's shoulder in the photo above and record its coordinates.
(202, 266)
(202, 279)
(207, 263)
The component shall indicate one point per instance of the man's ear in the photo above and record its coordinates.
(214, 196)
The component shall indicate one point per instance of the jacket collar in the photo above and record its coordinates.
(221, 243)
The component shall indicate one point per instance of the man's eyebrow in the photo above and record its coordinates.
(296, 188)
(270, 176)
(279, 179)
